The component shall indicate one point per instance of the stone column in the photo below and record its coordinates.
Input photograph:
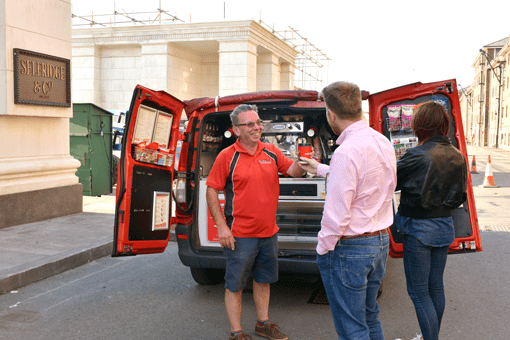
(268, 75)
(210, 75)
(37, 173)
(286, 76)
(155, 66)
(86, 71)
(238, 67)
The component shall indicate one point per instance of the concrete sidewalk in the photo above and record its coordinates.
(35, 251)
(483, 151)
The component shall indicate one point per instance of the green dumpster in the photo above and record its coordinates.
(91, 144)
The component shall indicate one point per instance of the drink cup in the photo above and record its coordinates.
(305, 150)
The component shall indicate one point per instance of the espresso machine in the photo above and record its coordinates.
(288, 135)
(284, 135)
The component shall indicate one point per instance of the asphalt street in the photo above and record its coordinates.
(112, 298)
(155, 297)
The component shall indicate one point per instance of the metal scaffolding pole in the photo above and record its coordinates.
(133, 18)
(309, 59)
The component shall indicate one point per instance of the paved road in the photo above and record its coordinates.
(154, 297)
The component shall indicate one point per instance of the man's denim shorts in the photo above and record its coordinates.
(255, 256)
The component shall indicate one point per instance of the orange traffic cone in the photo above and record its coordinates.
(488, 181)
(473, 166)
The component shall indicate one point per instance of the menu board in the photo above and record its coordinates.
(163, 129)
(144, 127)
(161, 208)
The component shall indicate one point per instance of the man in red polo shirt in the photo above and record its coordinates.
(247, 173)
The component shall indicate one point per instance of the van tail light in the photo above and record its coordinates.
(180, 190)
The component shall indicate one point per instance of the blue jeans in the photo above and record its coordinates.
(424, 268)
(352, 275)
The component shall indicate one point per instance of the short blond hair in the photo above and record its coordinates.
(344, 99)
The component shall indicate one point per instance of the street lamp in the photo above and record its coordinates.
(499, 92)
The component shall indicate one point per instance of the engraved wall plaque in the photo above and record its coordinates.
(41, 79)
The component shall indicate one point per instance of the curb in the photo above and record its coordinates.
(36, 272)
(29, 274)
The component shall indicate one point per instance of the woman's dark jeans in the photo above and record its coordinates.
(424, 268)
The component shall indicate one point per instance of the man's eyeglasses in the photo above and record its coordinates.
(251, 125)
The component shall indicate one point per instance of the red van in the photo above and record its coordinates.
(150, 186)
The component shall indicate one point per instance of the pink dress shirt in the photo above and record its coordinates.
(360, 186)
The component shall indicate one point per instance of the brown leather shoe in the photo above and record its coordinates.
(240, 336)
(270, 330)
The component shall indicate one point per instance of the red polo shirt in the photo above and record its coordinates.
(251, 187)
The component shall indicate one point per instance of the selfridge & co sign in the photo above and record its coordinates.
(41, 79)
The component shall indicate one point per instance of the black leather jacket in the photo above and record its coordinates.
(432, 178)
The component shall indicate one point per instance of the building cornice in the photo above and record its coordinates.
(214, 31)
(268, 40)
(140, 35)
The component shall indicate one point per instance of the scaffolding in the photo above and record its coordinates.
(131, 18)
(310, 60)
(161, 16)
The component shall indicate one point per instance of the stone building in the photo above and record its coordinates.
(102, 66)
(485, 104)
(37, 173)
(186, 60)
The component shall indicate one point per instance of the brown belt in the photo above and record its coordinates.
(381, 232)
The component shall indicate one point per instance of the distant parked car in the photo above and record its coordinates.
(118, 124)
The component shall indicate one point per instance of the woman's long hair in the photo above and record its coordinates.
(430, 119)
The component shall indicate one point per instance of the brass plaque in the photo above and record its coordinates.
(41, 79)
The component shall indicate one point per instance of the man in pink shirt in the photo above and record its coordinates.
(353, 242)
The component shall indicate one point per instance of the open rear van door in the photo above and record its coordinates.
(143, 209)
(390, 112)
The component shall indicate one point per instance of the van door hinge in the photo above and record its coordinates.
(449, 88)
(187, 137)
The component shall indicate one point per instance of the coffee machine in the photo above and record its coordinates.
(284, 135)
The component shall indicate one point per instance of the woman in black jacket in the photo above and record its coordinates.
(432, 178)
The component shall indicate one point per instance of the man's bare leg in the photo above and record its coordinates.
(261, 292)
(234, 305)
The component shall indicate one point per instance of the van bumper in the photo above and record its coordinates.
(203, 258)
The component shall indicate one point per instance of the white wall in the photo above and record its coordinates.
(186, 60)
